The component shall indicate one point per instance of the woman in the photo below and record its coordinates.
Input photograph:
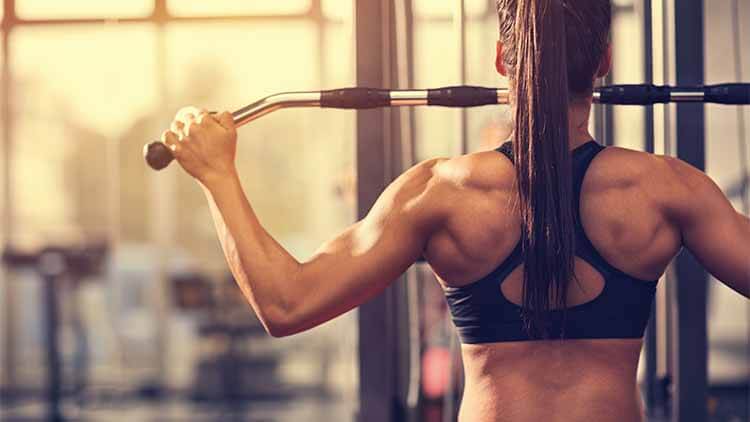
(548, 248)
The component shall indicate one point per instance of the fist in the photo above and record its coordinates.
(204, 144)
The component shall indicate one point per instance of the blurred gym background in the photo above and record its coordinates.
(120, 268)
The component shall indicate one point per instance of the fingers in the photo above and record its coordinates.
(208, 120)
(184, 118)
(184, 112)
(171, 140)
(190, 121)
(178, 128)
(205, 117)
(192, 127)
(226, 120)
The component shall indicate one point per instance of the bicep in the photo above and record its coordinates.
(364, 259)
(713, 230)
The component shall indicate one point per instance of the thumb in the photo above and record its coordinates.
(226, 120)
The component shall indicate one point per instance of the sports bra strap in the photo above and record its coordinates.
(507, 150)
(582, 157)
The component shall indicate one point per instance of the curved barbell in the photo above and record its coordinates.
(158, 156)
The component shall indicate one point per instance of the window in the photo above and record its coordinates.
(69, 9)
(627, 60)
(236, 8)
(70, 122)
(430, 9)
(87, 97)
(435, 47)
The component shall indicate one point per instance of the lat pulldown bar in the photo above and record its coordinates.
(158, 156)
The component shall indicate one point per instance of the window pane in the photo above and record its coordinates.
(445, 8)
(70, 118)
(296, 165)
(68, 9)
(487, 126)
(627, 59)
(235, 7)
(342, 10)
(82, 94)
(436, 128)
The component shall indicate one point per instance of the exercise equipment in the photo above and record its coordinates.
(158, 156)
(232, 373)
(54, 264)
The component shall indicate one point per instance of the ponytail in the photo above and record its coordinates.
(542, 159)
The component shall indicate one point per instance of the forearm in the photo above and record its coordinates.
(263, 269)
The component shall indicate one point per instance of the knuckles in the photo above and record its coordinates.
(194, 128)
(190, 127)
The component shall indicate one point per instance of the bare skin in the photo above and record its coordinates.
(638, 209)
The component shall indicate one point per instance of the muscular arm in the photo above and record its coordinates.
(289, 296)
(711, 228)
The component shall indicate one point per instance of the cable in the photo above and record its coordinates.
(741, 123)
(404, 74)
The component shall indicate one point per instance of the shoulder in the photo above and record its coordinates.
(624, 165)
(687, 192)
(627, 167)
(483, 171)
(435, 188)
(639, 163)
(486, 170)
(418, 194)
(668, 181)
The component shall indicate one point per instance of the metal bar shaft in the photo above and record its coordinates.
(159, 156)
(413, 97)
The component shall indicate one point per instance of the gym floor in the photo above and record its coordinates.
(730, 405)
(312, 410)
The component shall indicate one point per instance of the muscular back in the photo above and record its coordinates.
(638, 210)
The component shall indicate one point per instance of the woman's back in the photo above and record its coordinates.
(622, 211)
(625, 215)
(552, 380)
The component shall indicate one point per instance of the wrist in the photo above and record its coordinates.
(214, 181)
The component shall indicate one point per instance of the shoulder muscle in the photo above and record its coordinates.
(711, 228)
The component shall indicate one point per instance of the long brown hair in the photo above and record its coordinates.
(552, 51)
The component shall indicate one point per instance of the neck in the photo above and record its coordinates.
(578, 122)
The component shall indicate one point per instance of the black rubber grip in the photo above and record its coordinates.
(461, 96)
(634, 94)
(737, 94)
(355, 98)
(19, 259)
(157, 155)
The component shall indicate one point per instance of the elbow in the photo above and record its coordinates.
(280, 315)
(277, 330)
(278, 323)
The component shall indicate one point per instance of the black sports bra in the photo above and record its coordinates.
(482, 314)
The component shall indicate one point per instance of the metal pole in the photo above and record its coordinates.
(163, 203)
(608, 120)
(8, 288)
(407, 299)
(663, 130)
(648, 77)
(459, 25)
(376, 360)
(690, 353)
(450, 402)
(52, 352)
